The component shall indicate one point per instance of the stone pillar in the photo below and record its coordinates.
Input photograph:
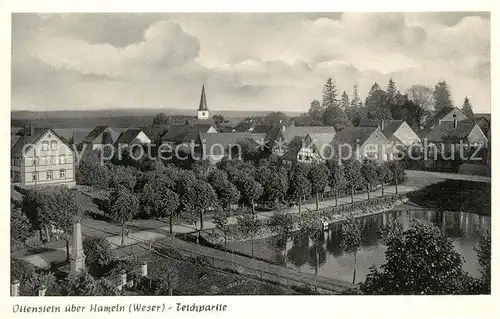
(124, 277)
(77, 256)
(42, 290)
(14, 288)
(144, 269)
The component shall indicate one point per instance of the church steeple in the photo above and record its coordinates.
(203, 109)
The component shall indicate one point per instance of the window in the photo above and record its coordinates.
(35, 177)
(54, 160)
(53, 145)
(62, 159)
(62, 174)
(49, 160)
(300, 157)
(49, 175)
(45, 146)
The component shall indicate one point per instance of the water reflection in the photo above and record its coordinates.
(323, 255)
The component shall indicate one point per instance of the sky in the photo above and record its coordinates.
(247, 61)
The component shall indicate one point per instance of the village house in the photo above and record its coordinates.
(455, 132)
(100, 136)
(133, 136)
(279, 138)
(314, 148)
(447, 114)
(40, 157)
(213, 147)
(396, 131)
(363, 142)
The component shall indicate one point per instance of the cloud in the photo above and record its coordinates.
(247, 61)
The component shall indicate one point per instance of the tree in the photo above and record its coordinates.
(318, 176)
(158, 199)
(484, 258)
(199, 197)
(98, 254)
(384, 175)
(249, 226)
(161, 119)
(344, 101)
(221, 220)
(351, 239)
(59, 210)
(123, 207)
(80, 284)
(467, 108)
(369, 173)
(392, 91)
(353, 176)
(337, 178)
(227, 193)
(419, 261)
(218, 118)
(423, 99)
(250, 190)
(353, 111)
(299, 187)
(90, 172)
(20, 226)
(274, 183)
(442, 96)
(274, 118)
(336, 117)
(311, 225)
(168, 279)
(398, 172)
(315, 110)
(282, 223)
(377, 102)
(329, 94)
(124, 176)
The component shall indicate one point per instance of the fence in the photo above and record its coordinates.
(124, 280)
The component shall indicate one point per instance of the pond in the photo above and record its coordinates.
(331, 261)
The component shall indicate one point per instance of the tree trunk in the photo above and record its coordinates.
(317, 201)
(354, 272)
(123, 235)
(336, 197)
(171, 226)
(284, 254)
(67, 249)
(225, 240)
(170, 291)
(352, 195)
(252, 247)
(368, 191)
(396, 180)
(316, 259)
(253, 207)
(47, 234)
(201, 220)
(382, 184)
(300, 203)
(40, 232)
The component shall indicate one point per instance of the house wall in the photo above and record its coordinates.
(62, 158)
(460, 116)
(406, 135)
(476, 135)
(143, 138)
(203, 115)
(376, 147)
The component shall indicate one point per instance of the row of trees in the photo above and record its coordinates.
(414, 106)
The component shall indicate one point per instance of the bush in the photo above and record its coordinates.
(99, 255)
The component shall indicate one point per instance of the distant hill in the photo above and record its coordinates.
(114, 117)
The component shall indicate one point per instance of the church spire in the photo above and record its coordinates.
(203, 100)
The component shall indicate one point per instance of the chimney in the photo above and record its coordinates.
(382, 124)
(28, 129)
(455, 122)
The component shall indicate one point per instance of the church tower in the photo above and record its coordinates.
(203, 113)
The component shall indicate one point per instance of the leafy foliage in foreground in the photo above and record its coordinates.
(420, 261)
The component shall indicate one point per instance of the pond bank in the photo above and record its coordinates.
(329, 216)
